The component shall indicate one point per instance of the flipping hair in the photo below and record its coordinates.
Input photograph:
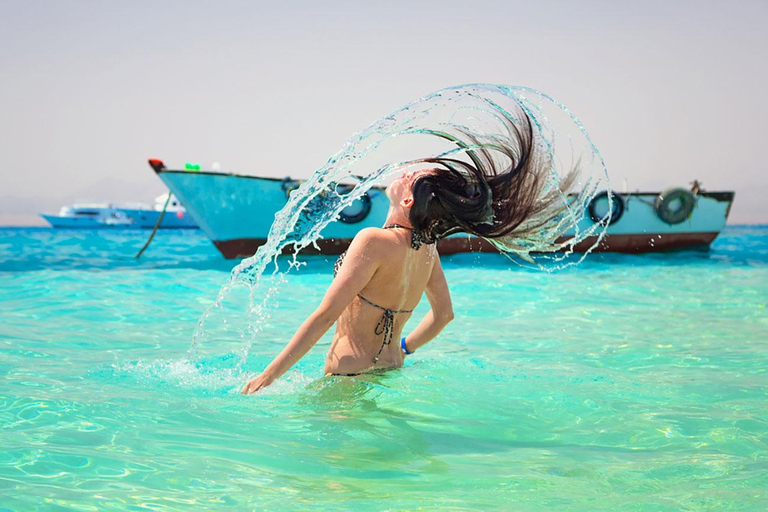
(505, 192)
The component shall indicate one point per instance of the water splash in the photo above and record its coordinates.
(434, 125)
(207, 379)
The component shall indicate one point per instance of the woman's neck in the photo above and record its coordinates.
(397, 216)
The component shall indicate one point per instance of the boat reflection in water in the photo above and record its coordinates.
(236, 212)
(123, 216)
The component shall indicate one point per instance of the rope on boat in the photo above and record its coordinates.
(157, 225)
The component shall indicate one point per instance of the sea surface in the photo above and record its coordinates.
(624, 383)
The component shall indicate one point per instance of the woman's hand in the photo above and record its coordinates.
(256, 384)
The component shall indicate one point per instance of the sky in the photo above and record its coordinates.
(670, 91)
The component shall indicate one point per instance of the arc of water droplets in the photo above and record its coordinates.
(291, 231)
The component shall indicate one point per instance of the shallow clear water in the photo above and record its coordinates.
(626, 382)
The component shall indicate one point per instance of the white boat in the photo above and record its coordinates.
(125, 216)
(144, 217)
(90, 216)
(236, 212)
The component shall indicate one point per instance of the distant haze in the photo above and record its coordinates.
(669, 91)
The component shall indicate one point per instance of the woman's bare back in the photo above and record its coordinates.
(397, 284)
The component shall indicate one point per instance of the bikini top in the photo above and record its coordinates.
(386, 325)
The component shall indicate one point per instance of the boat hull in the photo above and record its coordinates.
(230, 209)
(236, 213)
(628, 244)
(65, 222)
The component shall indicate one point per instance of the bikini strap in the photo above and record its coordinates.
(416, 238)
(386, 325)
(382, 308)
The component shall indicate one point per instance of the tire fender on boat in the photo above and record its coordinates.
(674, 205)
(365, 209)
(616, 213)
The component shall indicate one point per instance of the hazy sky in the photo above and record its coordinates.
(669, 91)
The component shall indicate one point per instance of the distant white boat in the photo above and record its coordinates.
(144, 217)
(122, 216)
(236, 213)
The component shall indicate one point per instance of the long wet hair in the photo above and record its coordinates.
(503, 192)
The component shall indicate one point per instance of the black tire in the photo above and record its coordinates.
(365, 210)
(665, 201)
(616, 213)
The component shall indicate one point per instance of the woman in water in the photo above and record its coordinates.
(501, 194)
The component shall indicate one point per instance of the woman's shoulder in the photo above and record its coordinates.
(372, 237)
(371, 234)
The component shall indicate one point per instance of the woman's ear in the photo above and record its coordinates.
(407, 202)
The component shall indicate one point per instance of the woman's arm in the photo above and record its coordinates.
(360, 264)
(440, 314)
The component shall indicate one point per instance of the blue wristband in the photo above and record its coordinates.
(405, 349)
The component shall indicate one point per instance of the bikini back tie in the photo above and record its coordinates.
(386, 325)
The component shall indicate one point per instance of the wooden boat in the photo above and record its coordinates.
(236, 212)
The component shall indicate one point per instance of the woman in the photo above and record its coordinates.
(385, 271)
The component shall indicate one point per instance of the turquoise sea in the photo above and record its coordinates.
(624, 383)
